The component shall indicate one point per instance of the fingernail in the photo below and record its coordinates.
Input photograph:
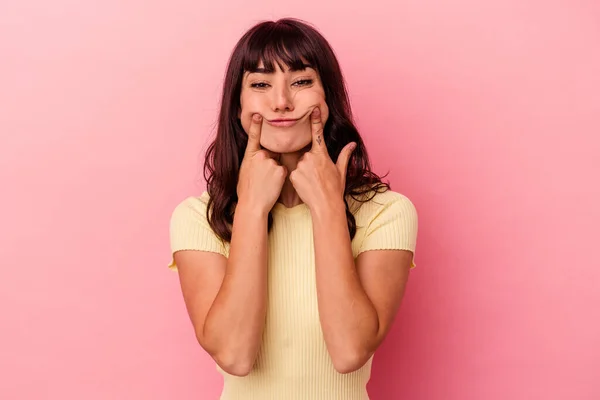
(352, 146)
(316, 112)
(257, 117)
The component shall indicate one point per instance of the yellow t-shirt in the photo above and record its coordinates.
(293, 362)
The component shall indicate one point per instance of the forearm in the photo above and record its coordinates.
(234, 324)
(348, 318)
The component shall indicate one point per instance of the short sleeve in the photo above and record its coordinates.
(189, 229)
(393, 226)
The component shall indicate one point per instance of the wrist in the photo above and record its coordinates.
(328, 210)
(251, 210)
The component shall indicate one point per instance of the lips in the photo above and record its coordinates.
(282, 122)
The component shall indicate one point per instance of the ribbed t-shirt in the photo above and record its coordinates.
(293, 362)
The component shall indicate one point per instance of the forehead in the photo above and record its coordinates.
(271, 61)
(279, 66)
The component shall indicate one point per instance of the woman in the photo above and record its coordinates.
(294, 261)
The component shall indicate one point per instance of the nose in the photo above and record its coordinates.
(282, 100)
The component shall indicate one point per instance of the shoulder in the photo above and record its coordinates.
(190, 213)
(190, 229)
(373, 204)
(191, 204)
(386, 221)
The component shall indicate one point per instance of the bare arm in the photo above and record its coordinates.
(226, 298)
(357, 301)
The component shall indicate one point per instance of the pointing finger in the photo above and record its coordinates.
(318, 146)
(254, 134)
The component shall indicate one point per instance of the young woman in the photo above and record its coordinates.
(294, 261)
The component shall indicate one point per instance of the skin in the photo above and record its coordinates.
(357, 299)
(226, 298)
(284, 94)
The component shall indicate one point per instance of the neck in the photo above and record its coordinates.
(289, 197)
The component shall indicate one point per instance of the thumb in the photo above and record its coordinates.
(344, 158)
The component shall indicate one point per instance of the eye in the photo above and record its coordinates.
(303, 82)
(259, 85)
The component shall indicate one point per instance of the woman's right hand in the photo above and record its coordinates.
(261, 176)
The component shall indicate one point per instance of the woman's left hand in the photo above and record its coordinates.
(317, 180)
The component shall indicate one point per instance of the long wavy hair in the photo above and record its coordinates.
(291, 42)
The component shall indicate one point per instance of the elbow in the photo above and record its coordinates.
(233, 366)
(232, 362)
(350, 361)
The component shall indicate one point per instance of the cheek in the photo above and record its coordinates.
(249, 105)
(311, 98)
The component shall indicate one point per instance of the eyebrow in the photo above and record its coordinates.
(263, 70)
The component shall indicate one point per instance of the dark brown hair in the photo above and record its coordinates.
(292, 42)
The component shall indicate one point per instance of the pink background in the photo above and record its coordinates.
(486, 112)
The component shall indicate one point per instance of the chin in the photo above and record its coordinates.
(285, 141)
(286, 148)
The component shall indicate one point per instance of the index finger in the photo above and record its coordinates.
(316, 124)
(254, 134)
